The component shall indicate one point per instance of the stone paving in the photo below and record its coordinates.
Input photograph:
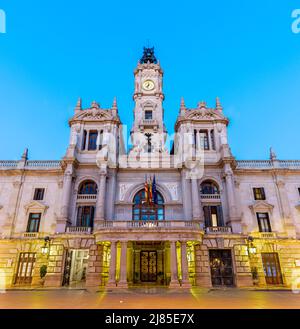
(150, 298)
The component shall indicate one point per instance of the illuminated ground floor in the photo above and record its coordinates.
(174, 261)
(150, 298)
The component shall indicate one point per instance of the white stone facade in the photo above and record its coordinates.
(182, 243)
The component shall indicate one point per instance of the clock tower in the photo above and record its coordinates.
(148, 132)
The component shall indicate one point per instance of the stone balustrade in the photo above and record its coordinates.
(218, 230)
(268, 164)
(87, 197)
(78, 230)
(148, 224)
(215, 196)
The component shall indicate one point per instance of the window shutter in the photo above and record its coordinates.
(207, 216)
(220, 216)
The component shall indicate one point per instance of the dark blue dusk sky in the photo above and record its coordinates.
(242, 51)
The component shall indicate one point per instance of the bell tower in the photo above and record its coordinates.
(148, 131)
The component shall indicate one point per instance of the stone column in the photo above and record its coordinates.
(174, 268)
(184, 266)
(123, 266)
(100, 205)
(112, 191)
(87, 140)
(186, 195)
(112, 266)
(66, 197)
(285, 209)
(198, 141)
(234, 219)
(196, 203)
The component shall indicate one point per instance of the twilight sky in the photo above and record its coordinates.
(242, 51)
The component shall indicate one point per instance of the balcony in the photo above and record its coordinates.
(30, 235)
(208, 197)
(264, 235)
(78, 230)
(146, 123)
(218, 230)
(148, 224)
(86, 197)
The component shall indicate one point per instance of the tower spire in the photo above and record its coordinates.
(78, 105)
(25, 155)
(182, 106)
(218, 104)
(114, 107)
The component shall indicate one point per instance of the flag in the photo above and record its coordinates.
(154, 192)
(150, 191)
(146, 190)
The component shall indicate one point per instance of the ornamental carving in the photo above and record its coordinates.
(123, 188)
(173, 189)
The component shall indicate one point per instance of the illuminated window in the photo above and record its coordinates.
(259, 193)
(145, 211)
(263, 222)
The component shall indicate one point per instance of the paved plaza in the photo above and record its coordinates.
(151, 298)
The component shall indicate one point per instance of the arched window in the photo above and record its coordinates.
(209, 187)
(144, 211)
(88, 187)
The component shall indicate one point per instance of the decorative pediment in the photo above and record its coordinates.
(261, 206)
(36, 206)
(93, 114)
(203, 114)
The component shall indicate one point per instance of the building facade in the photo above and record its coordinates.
(90, 219)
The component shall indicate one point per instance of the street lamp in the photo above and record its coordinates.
(251, 246)
(46, 246)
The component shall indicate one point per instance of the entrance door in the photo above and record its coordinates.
(272, 268)
(148, 266)
(221, 267)
(75, 266)
(25, 268)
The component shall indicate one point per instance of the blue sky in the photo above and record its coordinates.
(242, 51)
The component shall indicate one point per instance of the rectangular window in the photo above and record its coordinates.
(39, 194)
(272, 268)
(25, 268)
(85, 216)
(299, 190)
(212, 138)
(34, 222)
(213, 216)
(93, 135)
(148, 115)
(204, 143)
(259, 193)
(263, 222)
(84, 140)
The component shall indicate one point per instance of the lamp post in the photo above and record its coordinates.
(251, 246)
(46, 246)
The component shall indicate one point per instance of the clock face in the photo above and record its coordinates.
(148, 85)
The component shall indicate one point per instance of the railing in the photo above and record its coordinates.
(8, 164)
(32, 235)
(210, 196)
(86, 197)
(78, 230)
(267, 235)
(43, 164)
(268, 164)
(218, 229)
(254, 164)
(148, 224)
